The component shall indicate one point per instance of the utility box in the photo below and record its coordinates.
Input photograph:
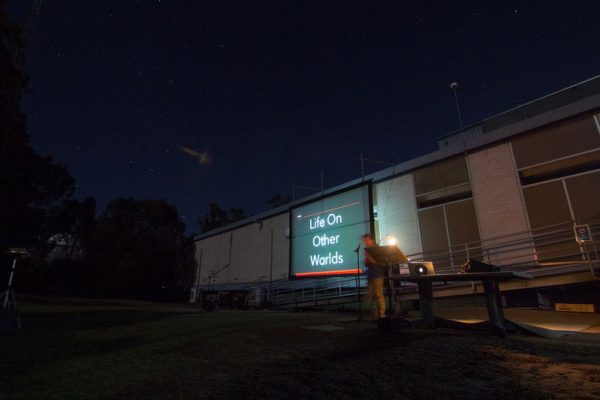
(257, 297)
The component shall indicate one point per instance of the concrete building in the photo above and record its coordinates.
(508, 190)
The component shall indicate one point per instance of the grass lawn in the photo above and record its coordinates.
(134, 350)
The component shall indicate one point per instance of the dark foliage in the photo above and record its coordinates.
(33, 187)
(139, 250)
(218, 217)
(136, 249)
(279, 200)
(73, 225)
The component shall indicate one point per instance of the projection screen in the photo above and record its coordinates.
(326, 232)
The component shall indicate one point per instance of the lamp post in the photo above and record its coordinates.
(454, 87)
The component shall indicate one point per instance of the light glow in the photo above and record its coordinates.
(390, 240)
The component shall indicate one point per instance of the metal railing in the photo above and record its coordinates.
(520, 251)
(551, 250)
(318, 291)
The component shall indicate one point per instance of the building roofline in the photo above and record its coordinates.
(582, 106)
(520, 106)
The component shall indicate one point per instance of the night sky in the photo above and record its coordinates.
(278, 91)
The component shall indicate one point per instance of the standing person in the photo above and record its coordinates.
(375, 275)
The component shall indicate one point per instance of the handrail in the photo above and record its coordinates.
(522, 251)
(546, 250)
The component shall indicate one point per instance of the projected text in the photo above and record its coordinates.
(326, 232)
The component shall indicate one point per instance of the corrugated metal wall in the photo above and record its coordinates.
(243, 255)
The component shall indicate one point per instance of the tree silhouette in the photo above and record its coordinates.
(32, 186)
(74, 223)
(279, 200)
(139, 250)
(236, 214)
(218, 217)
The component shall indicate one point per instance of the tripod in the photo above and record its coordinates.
(8, 296)
(9, 316)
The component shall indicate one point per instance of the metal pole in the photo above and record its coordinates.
(390, 290)
(589, 259)
(358, 281)
(270, 268)
(12, 272)
(362, 166)
(454, 86)
(596, 273)
(199, 274)
(322, 184)
(10, 280)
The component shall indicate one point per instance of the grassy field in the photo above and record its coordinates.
(128, 350)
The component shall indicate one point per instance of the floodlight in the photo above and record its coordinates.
(390, 240)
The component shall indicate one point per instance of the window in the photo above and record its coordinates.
(559, 141)
(462, 222)
(449, 234)
(546, 205)
(561, 165)
(550, 219)
(584, 193)
(560, 168)
(442, 182)
(433, 229)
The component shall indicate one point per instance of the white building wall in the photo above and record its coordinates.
(397, 212)
(281, 244)
(243, 255)
(499, 206)
(211, 255)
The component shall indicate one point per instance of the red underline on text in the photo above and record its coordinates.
(331, 209)
(336, 272)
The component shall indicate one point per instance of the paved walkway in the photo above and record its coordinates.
(553, 324)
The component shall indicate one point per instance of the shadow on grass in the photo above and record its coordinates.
(86, 320)
(263, 355)
(399, 365)
(50, 337)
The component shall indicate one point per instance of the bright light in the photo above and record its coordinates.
(390, 240)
